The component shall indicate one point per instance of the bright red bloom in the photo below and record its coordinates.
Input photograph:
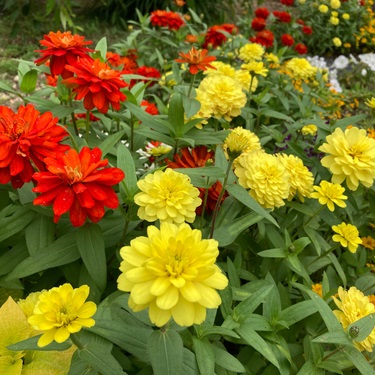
(113, 59)
(258, 24)
(287, 2)
(307, 30)
(25, 137)
(83, 116)
(197, 60)
(97, 83)
(162, 18)
(264, 38)
(300, 22)
(300, 48)
(150, 107)
(262, 13)
(78, 183)
(62, 49)
(215, 36)
(287, 40)
(130, 66)
(282, 16)
(146, 71)
(198, 157)
(50, 80)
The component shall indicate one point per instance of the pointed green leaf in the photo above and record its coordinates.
(125, 162)
(28, 82)
(39, 234)
(176, 114)
(364, 326)
(102, 47)
(227, 361)
(246, 307)
(13, 219)
(297, 312)
(110, 142)
(205, 356)
(359, 361)
(32, 344)
(334, 337)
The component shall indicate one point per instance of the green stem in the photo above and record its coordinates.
(175, 147)
(74, 124)
(204, 205)
(76, 341)
(192, 79)
(87, 125)
(334, 247)
(321, 208)
(222, 191)
(131, 140)
(332, 353)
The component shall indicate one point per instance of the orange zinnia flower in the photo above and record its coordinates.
(24, 137)
(162, 18)
(198, 157)
(78, 183)
(62, 49)
(197, 60)
(97, 83)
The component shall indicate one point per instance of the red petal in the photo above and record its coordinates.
(77, 214)
(63, 201)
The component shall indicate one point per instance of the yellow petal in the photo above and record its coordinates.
(169, 299)
(158, 316)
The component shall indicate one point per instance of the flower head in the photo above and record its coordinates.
(28, 304)
(168, 196)
(251, 51)
(264, 38)
(240, 140)
(300, 68)
(215, 36)
(287, 40)
(300, 48)
(318, 289)
(62, 49)
(370, 103)
(61, 311)
(323, 8)
(162, 18)
(368, 242)
(347, 235)
(307, 30)
(258, 24)
(197, 60)
(78, 183)
(282, 16)
(172, 272)
(351, 157)
(262, 12)
(27, 137)
(354, 305)
(330, 194)
(309, 130)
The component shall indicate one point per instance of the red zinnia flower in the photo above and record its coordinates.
(307, 30)
(113, 59)
(195, 158)
(62, 49)
(287, 40)
(287, 2)
(258, 24)
(130, 66)
(262, 13)
(197, 60)
(300, 22)
(26, 136)
(282, 16)
(150, 107)
(300, 48)
(78, 183)
(163, 18)
(97, 83)
(215, 37)
(264, 38)
(146, 71)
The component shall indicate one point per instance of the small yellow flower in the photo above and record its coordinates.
(335, 4)
(346, 16)
(28, 304)
(370, 103)
(337, 42)
(240, 140)
(300, 68)
(354, 305)
(347, 45)
(172, 272)
(318, 289)
(334, 14)
(368, 242)
(61, 311)
(334, 21)
(323, 8)
(273, 60)
(251, 51)
(309, 130)
(256, 67)
(330, 194)
(347, 235)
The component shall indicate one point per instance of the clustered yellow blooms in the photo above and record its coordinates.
(354, 305)
(167, 196)
(351, 157)
(347, 235)
(365, 38)
(330, 194)
(172, 272)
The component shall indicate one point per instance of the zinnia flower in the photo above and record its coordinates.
(168, 196)
(318, 289)
(347, 235)
(162, 18)
(240, 140)
(287, 40)
(307, 30)
(258, 24)
(351, 157)
(300, 68)
(25, 137)
(172, 272)
(300, 48)
(309, 130)
(149, 107)
(215, 36)
(97, 84)
(287, 2)
(61, 311)
(265, 176)
(251, 51)
(197, 60)
(256, 67)
(146, 71)
(264, 38)
(370, 103)
(323, 8)
(354, 305)
(282, 16)
(330, 194)
(368, 242)
(62, 49)
(262, 13)
(78, 183)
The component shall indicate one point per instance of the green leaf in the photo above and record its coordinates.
(246, 307)
(223, 331)
(102, 47)
(10, 259)
(125, 162)
(227, 361)
(344, 122)
(110, 141)
(359, 361)
(271, 113)
(205, 356)
(334, 337)
(28, 82)
(32, 344)
(296, 313)
(165, 350)
(273, 253)
(91, 247)
(202, 172)
(5, 87)
(176, 114)
(364, 326)
(13, 219)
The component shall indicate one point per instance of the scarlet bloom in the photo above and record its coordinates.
(300, 48)
(262, 13)
(62, 49)
(287, 2)
(149, 107)
(197, 60)
(282, 16)
(130, 66)
(199, 157)
(264, 38)
(162, 18)
(258, 24)
(78, 183)
(146, 71)
(307, 30)
(190, 38)
(287, 40)
(97, 84)
(113, 59)
(215, 36)
(25, 137)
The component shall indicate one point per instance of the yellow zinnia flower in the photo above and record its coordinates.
(300, 68)
(347, 235)
(309, 130)
(318, 289)
(346, 16)
(334, 21)
(337, 42)
(251, 51)
(335, 4)
(220, 68)
(330, 194)
(354, 305)
(172, 272)
(168, 196)
(352, 157)
(240, 140)
(61, 311)
(370, 103)
(323, 8)
(256, 67)
(368, 242)
(28, 304)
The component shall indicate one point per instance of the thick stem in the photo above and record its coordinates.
(87, 125)
(76, 341)
(74, 124)
(192, 79)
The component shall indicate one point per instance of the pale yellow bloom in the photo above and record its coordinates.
(323, 8)
(370, 103)
(354, 305)
(240, 140)
(346, 16)
(61, 311)
(335, 4)
(256, 67)
(172, 272)
(334, 14)
(244, 78)
(337, 42)
(273, 60)
(330, 194)
(347, 235)
(309, 130)
(251, 51)
(28, 304)
(221, 68)
(300, 68)
(351, 157)
(334, 21)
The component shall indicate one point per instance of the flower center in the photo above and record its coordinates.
(64, 317)
(74, 174)
(14, 129)
(355, 153)
(176, 265)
